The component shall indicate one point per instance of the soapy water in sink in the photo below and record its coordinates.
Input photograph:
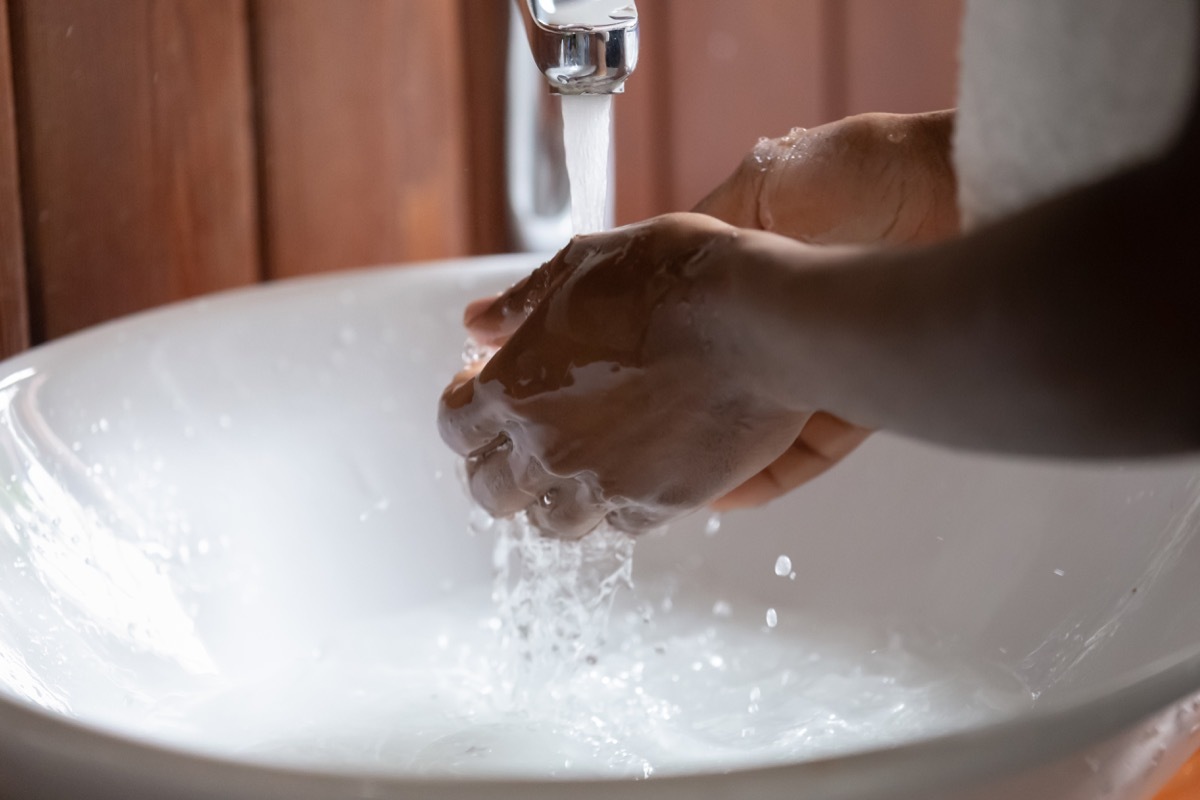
(481, 686)
(699, 689)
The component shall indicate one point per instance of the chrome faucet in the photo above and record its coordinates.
(583, 46)
(579, 47)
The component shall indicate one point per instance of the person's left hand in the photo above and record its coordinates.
(629, 385)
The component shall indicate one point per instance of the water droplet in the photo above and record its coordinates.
(783, 566)
(713, 526)
(772, 618)
(103, 425)
(479, 521)
(722, 609)
(1060, 572)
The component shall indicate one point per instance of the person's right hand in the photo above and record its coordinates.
(878, 179)
(869, 179)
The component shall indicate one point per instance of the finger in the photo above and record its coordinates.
(494, 484)
(824, 441)
(568, 509)
(464, 421)
(736, 200)
(491, 323)
(638, 519)
(476, 308)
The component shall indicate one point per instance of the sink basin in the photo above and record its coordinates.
(226, 487)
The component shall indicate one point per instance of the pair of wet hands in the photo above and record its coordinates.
(628, 383)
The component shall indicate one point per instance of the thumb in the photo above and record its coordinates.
(736, 200)
(492, 321)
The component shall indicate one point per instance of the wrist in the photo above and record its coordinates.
(786, 304)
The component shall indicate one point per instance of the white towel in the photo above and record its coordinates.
(1056, 93)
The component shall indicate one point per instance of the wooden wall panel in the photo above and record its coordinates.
(361, 126)
(137, 154)
(380, 128)
(738, 71)
(642, 122)
(14, 317)
(484, 36)
(714, 76)
(901, 57)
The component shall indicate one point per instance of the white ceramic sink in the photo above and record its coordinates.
(223, 485)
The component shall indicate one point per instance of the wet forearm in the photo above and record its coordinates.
(1073, 328)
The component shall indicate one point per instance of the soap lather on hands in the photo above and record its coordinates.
(634, 379)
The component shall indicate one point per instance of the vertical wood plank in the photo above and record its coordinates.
(361, 130)
(901, 56)
(642, 122)
(137, 154)
(738, 71)
(716, 75)
(14, 317)
(483, 45)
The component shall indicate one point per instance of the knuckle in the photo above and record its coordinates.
(492, 485)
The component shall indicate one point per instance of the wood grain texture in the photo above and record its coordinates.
(361, 130)
(714, 76)
(483, 32)
(901, 56)
(642, 122)
(738, 71)
(137, 154)
(14, 315)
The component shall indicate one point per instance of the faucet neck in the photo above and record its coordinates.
(582, 46)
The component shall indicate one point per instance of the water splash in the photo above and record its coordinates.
(553, 598)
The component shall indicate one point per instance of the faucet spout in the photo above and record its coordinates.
(583, 46)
